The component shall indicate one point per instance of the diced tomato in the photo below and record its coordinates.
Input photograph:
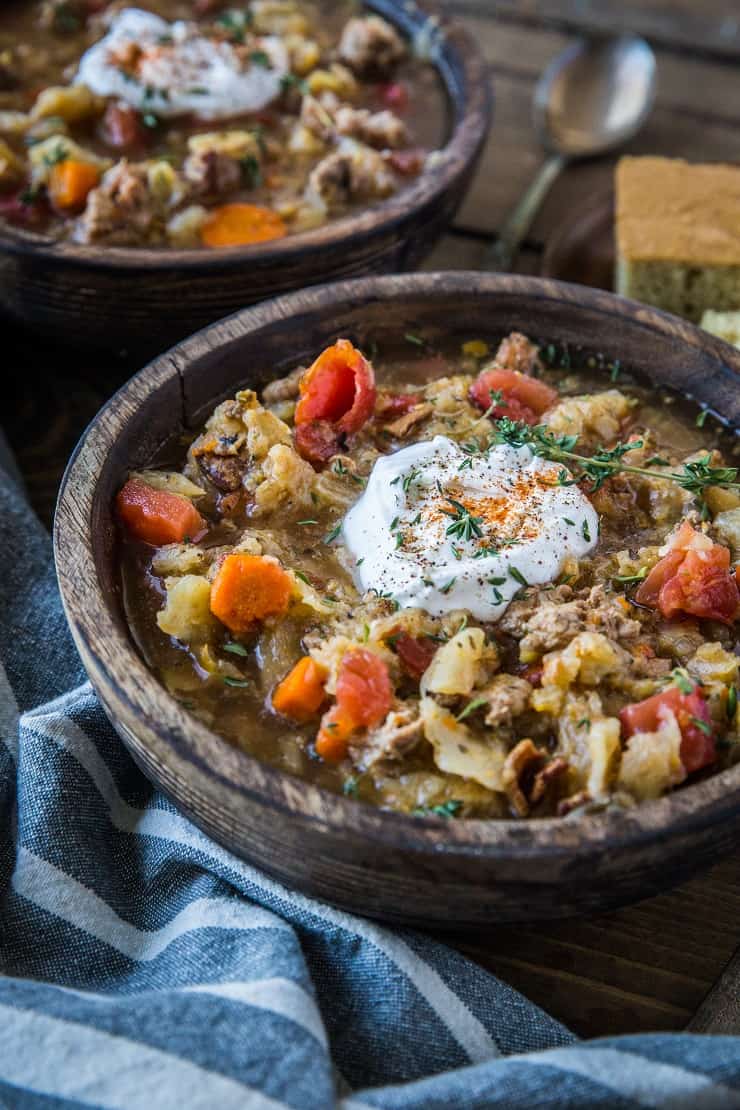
(415, 652)
(395, 95)
(121, 127)
(337, 396)
(392, 405)
(364, 688)
(694, 577)
(697, 739)
(523, 397)
(364, 695)
(156, 516)
(25, 209)
(408, 162)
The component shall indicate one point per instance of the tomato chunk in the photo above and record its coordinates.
(337, 396)
(415, 652)
(395, 95)
(694, 720)
(693, 577)
(156, 516)
(522, 397)
(364, 695)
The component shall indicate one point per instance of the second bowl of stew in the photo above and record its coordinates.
(164, 163)
(452, 599)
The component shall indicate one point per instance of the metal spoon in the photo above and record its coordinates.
(592, 97)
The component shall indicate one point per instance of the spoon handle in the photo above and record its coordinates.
(502, 253)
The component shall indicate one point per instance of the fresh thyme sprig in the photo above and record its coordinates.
(695, 476)
(464, 525)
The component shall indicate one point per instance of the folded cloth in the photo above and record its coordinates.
(145, 966)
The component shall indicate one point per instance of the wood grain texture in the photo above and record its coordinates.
(402, 869)
(148, 298)
(711, 26)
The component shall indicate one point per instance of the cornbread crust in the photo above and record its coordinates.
(668, 210)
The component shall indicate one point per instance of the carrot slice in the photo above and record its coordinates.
(69, 184)
(156, 516)
(301, 692)
(249, 588)
(237, 225)
(334, 735)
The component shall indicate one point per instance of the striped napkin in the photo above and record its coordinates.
(143, 966)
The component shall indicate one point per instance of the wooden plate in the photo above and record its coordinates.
(421, 871)
(582, 249)
(147, 298)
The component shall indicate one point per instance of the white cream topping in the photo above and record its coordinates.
(510, 522)
(170, 69)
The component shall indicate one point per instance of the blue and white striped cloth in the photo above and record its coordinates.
(143, 966)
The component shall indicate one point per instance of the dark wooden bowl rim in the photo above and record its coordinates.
(171, 731)
(471, 109)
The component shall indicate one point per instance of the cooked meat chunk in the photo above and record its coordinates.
(283, 389)
(317, 114)
(507, 697)
(516, 352)
(120, 211)
(354, 173)
(225, 472)
(552, 626)
(379, 129)
(371, 47)
(211, 173)
(608, 614)
(527, 777)
(403, 425)
(401, 731)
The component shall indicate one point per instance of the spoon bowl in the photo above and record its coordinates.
(595, 96)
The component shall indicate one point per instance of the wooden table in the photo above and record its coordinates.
(644, 968)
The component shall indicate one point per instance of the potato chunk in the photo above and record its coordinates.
(187, 612)
(595, 418)
(651, 763)
(455, 669)
(457, 752)
(71, 103)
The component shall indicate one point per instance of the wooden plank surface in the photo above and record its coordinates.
(648, 967)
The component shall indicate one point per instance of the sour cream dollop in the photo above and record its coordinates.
(439, 529)
(171, 69)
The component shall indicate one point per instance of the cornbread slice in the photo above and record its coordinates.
(725, 325)
(678, 234)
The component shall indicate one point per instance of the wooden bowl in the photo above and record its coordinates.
(387, 865)
(145, 299)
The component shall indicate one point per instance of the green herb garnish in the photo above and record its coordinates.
(517, 575)
(465, 526)
(236, 649)
(445, 809)
(333, 533)
(476, 703)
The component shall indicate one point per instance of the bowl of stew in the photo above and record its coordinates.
(167, 162)
(420, 592)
